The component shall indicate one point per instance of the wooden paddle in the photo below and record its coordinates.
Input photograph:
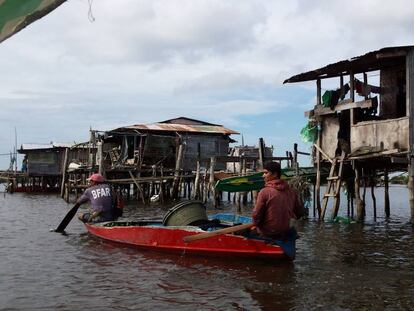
(63, 224)
(190, 238)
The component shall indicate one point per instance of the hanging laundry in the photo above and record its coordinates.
(365, 89)
(331, 97)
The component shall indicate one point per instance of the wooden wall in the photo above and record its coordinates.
(388, 134)
(330, 128)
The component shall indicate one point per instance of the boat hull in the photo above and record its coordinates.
(255, 181)
(170, 239)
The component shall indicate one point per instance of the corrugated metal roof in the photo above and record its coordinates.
(45, 146)
(181, 128)
(376, 60)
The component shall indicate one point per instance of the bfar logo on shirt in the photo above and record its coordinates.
(101, 192)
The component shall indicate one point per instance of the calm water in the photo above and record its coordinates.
(338, 266)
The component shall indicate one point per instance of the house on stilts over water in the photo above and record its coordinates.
(43, 165)
(362, 128)
(163, 158)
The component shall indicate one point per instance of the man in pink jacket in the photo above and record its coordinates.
(276, 204)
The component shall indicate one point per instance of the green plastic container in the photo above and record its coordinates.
(185, 214)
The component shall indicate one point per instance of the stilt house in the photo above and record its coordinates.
(156, 144)
(365, 122)
(48, 159)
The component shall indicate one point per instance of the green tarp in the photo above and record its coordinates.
(17, 14)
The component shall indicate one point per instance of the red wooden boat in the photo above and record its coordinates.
(154, 235)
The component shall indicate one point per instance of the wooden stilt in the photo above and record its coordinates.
(374, 201)
(386, 194)
(360, 207)
(177, 171)
(64, 168)
(196, 193)
(211, 180)
(138, 186)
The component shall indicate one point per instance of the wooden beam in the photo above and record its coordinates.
(318, 92)
(342, 105)
(410, 110)
(225, 159)
(323, 153)
(391, 54)
(376, 154)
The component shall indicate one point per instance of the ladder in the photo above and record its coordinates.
(114, 154)
(333, 186)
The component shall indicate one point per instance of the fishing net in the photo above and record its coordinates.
(309, 132)
(303, 187)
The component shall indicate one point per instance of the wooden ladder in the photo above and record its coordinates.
(333, 187)
(114, 155)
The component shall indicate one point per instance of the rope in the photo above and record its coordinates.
(90, 14)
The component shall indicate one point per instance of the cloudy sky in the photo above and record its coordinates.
(222, 61)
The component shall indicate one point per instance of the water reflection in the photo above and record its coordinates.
(367, 266)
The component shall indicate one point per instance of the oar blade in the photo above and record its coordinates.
(69, 216)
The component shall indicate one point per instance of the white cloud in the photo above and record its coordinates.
(145, 61)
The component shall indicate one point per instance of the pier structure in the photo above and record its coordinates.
(177, 158)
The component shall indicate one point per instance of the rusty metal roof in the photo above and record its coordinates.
(181, 128)
(376, 60)
(51, 145)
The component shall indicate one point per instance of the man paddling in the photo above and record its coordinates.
(276, 205)
(100, 195)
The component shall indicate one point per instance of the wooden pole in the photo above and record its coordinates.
(244, 170)
(352, 97)
(318, 180)
(374, 201)
(205, 187)
(409, 59)
(65, 164)
(260, 164)
(101, 159)
(138, 186)
(386, 194)
(196, 193)
(318, 154)
(295, 158)
(177, 171)
(360, 207)
(211, 179)
(364, 191)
